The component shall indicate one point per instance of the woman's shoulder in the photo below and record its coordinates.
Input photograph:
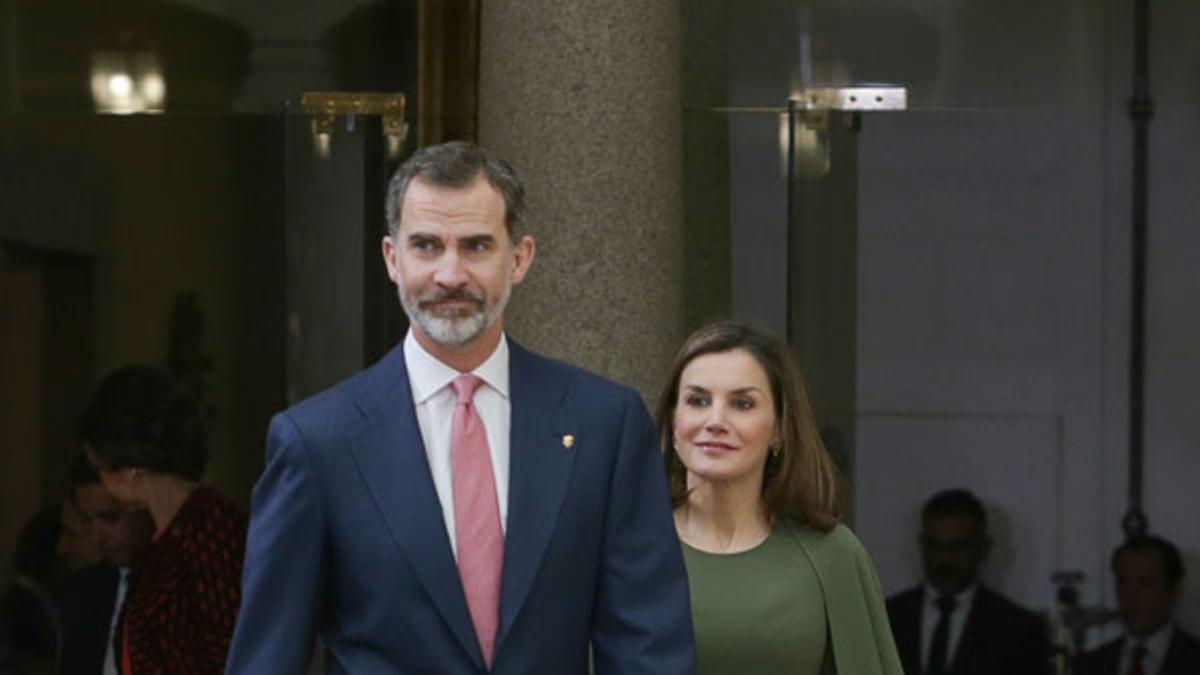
(211, 512)
(838, 542)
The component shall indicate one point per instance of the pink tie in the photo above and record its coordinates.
(476, 516)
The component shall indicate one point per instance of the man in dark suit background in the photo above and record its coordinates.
(952, 624)
(1149, 576)
(463, 505)
(92, 601)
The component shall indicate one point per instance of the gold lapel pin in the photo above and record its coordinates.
(568, 441)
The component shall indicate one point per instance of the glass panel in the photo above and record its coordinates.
(948, 54)
(341, 310)
(157, 233)
(955, 273)
(200, 55)
(177, 223)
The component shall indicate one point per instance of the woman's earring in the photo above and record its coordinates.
(774, 450)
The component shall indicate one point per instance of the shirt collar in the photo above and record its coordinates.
(962, 599)
(427, 375)
(1156, 644)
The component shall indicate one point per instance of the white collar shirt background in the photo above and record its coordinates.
(1156, 650)
(958, 620)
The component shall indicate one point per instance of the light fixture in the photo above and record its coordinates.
(125, 82)
(322, 133)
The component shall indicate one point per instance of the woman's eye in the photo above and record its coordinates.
(743, 404)
(696, 401)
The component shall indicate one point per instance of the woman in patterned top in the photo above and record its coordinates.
(148, 440)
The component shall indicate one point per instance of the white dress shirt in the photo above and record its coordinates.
(958, 619)
(1156, 650)
(110, 657)
(435, 400)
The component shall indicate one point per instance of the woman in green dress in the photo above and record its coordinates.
(777, 584)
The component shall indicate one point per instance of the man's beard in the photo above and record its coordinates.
(458, 327)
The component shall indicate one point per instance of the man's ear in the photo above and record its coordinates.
(523, 252)
(390, 252)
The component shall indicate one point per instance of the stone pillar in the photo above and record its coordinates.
(583, 99)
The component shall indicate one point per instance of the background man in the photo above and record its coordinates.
(464, 505)
(29, 608)
(76, 546)
(1149, 577)
(953, 624)
(94, 596)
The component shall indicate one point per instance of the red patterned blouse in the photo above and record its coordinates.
(184, 591)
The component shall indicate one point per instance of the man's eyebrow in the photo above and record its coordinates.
(477, 239)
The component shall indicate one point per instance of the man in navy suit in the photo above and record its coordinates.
(1149, 576)
(953, 624)
(368, 531)
(93, 598)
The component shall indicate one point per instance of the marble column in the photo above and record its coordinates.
(583, 99)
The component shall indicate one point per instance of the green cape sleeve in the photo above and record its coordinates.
(859, 632)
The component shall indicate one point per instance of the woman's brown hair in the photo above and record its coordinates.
(799, 482)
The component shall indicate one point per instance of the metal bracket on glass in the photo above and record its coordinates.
(861, 98)
(326, 106)
(812, 106)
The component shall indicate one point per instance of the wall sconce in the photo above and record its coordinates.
(326, 106)
(322, 133)
(126, 82)
(395, 130)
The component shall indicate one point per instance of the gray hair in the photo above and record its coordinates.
(457, 164)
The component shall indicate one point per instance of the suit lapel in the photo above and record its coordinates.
(1182, 656)
(908, 628)
(390, 456)
(1112, 662)
(974, 629)
(539, 469)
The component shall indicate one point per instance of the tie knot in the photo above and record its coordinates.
(946, 603)
(465, 386)
(1140, 651)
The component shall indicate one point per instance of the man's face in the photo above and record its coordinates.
(952, 547)
(453, 262)
(77, 547)
(120, 531)
(1147, 601)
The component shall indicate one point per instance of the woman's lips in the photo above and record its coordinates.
(715, 447)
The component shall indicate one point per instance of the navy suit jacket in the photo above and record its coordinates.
(1182, 657)
(347, 538)
(999, 637)
(86, 619)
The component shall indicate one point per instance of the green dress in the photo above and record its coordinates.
(802, 602)
(758, 611)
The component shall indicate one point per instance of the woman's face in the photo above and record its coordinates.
(120, 483)
(724, 418)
